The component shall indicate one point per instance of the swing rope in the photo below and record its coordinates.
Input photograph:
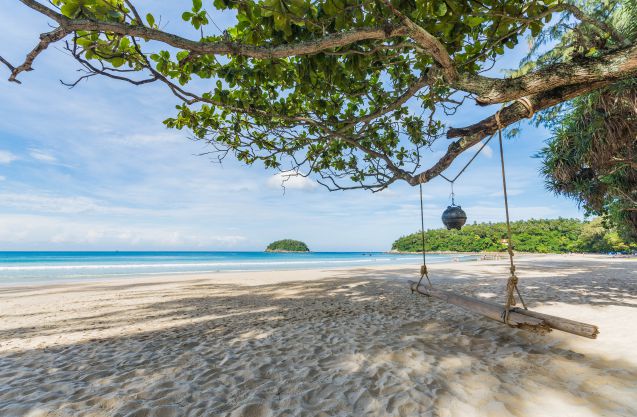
(512, 282)
(452, 181)
(423, 268)
(523, 318)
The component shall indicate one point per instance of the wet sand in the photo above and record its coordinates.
(337, 342)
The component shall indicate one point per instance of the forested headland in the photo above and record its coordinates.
(541, 236)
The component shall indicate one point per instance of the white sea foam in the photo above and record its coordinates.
(197, 264)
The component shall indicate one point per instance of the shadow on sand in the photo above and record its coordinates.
(350, 345)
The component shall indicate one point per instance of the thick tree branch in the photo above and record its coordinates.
(237, 49)
(513, 113)
(517, 111)
(614, 66)
(40, 8)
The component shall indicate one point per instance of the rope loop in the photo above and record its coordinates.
(498, 122)
(523, 101)
(527, 104)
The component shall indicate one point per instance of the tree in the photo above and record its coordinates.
(592, 155)
(287, 245)
(325, 87)
(594, 237)
(543, 235)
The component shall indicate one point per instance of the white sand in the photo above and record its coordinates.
(320, 343)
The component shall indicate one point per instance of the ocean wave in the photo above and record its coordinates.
(197, 264)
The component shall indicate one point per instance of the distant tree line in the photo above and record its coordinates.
(542, 236)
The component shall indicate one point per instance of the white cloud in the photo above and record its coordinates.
(7, 157)
(292, 180)
(42, 156)
(47, 203)
(486, 151)
(24, 230)
(145, 139)
(485, 213)
(510, 191)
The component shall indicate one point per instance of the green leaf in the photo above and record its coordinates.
(151, 20)
(441, 9)
(70, 9)
(196, 5)
(118, 62)
(187, 16)
(474, 21)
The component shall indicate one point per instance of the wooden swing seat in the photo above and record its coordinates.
(518, 317)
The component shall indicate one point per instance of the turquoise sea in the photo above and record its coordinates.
(45, 267)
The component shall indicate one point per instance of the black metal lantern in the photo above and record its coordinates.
(454, 217)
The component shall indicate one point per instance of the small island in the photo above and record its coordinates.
(287, 245)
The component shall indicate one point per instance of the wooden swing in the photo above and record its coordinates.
(509, 314)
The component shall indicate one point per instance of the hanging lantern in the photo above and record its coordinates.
(454, 217)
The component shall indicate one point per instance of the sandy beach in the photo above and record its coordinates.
(339, 342)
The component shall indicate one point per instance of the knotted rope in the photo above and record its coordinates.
(512, 282)
(423, 268)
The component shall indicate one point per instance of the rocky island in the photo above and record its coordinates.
(287, 245)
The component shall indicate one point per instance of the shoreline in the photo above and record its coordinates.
(517, 253)
(310, 271)
(214, 276)
(91, 269)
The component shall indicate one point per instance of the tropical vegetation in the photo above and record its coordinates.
(540, 236)
(592, 154)
(287, 245)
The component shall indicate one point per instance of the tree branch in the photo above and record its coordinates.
(222, 47)
(513, 113)
(616, 65)
(45, 40)
(584, 18)
(517, 111)
(7, 63)
(429, 43)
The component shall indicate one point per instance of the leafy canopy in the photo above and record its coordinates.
(352, 91)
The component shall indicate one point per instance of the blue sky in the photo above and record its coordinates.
(93, 168)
